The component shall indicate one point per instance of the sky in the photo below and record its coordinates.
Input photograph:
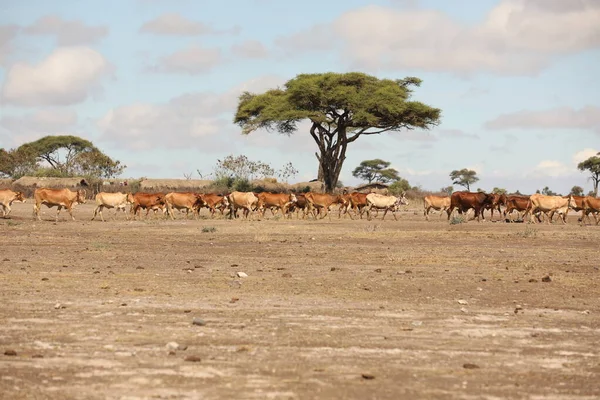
(155, 83)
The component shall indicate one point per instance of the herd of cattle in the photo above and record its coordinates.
(316, 204)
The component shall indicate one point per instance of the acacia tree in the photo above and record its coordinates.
(592, 165)
(340, 108)
(376, 170)
(58, 156)
(464, 177)
(577, 191)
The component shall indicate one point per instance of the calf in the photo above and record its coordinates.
(61, 198)
(519, 203)
(322, 201)
(7, 197)
(112, 200)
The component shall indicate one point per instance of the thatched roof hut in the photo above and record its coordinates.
(315, 186)
(375, 187)
(174, 184)
(5, 183)
(39, 182)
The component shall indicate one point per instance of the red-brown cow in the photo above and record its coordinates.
(518, 203)
(464, 201)
(212, 201)
(591, 205)
(181, 201)
(61, 198)
(147, 201)
(323, 201)
(280, 201)
(497, 201)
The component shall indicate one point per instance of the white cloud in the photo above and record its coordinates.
(550, 168)
(67, 76)
(7, 34)
(193, 60)
(24, 128)
(584, 155)
(556, 118)
(516, 37)
(67, 33)
(178, 25)
(249, 49)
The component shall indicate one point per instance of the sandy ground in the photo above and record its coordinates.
(334, 309)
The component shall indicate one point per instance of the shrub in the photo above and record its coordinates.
(209, 229)
(457, 219)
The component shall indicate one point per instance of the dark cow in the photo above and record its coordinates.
(464, 201)
(519, 203)
(497, 201)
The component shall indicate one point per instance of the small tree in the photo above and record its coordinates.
(376, 170)
(464, 177)
(447, 190)
(577, 191)
(592, 165)
(547, 192)
(399, 187)
(497, 190)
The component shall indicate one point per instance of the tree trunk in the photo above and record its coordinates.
(331, 155)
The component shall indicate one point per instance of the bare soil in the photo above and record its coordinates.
(331, 309)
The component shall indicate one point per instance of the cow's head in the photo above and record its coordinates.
(293, 198)
(129, 199)
(402, 200)
(81, 196)
(572, 203)
(20, 196)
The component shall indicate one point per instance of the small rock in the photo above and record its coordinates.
(463, 302)
(172, 353)
(187, 311)
(242, 274)
(234, 300)
(532, 280)
(286, 275)
(417, 323)
(45, 279)
(368, 376)
(123, 304)
(6, 259)
(235, 284)
(546, 279)
(378, 270)
(139, 267)
(172, 346)
(234, 265)
(464, 310)
(193, 359)
(518, 307)
(470, 366)
(199, 322)
(333, 269)
(10, 353)
(57, 306)
(408, 271)
(37, 356)
(586, 312)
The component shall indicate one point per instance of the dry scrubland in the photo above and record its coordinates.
(329, 309)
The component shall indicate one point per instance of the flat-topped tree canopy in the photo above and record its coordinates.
(341, 107)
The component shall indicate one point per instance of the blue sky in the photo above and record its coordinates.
(154, 83)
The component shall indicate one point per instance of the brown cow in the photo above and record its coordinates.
(497, 201)
(147, 201)
(112, 200)
(59, 198)
(7, 197)
(550, 204)
(300, 204)
(323, 201)
(591, 205)
(212, 201)
(439, 203)
(464, 201)
(280, 201)
(518, 203)
(244, 200)
(181, 201)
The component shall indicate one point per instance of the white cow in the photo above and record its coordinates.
(387, 203)
(112, 200)
(7, 197)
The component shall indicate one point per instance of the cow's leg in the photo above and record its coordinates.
(57, 212)
(36, 211)
(170, 212)
(70, 210)
(5, 210)
(101, 216)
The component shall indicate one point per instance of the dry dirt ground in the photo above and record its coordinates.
(334, 309)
